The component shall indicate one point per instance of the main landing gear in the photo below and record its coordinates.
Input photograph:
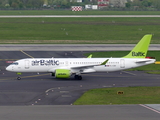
(78, 77)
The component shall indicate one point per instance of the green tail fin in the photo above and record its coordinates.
(140, 50)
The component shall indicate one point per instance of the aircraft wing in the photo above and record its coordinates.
(82, 68)
(86, 66)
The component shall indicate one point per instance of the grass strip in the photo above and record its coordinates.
(77, 30)
(131, 95)
(69, 12)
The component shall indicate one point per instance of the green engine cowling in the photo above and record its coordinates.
(62, 73)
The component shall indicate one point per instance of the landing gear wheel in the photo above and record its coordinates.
(18, 78)
(78, 77)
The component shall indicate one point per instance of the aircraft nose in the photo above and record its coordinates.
(8, 68)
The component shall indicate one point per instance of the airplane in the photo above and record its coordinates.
(67, 67)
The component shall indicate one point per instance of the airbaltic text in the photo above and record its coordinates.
(45, 62)
(138, 54)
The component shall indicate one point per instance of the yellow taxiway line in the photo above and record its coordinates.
(26, 54)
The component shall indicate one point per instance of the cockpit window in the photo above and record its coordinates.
(15, 63)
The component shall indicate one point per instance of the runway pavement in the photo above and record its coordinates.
(38, 95)
(72, 47)
(98, 112)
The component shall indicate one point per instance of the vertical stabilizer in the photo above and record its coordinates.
(140, 50)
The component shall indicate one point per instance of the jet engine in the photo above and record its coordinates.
(62, 73)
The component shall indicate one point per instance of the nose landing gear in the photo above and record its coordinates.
(19, 78)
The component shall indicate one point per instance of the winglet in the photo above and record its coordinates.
(104, 62)
(90, 56)
(140, 50)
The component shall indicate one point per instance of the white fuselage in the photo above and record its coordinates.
(81, 65)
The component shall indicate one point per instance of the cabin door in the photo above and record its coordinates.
(26, 64)
(122, 63)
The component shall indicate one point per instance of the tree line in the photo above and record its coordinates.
(21, 4)
(143, 4)
(66, 4)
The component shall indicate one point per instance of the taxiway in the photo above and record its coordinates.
(42, 93)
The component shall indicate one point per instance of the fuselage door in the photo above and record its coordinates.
(122, 63)
(26, 64)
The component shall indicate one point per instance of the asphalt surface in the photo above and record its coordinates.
(39, 96)
(42, 89)
(72, 47)
(105, 112)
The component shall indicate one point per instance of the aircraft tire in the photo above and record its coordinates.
(78, 77)
(18, 78)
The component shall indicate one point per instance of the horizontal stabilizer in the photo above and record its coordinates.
(143, 61)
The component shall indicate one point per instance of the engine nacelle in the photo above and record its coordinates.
(62, 73)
